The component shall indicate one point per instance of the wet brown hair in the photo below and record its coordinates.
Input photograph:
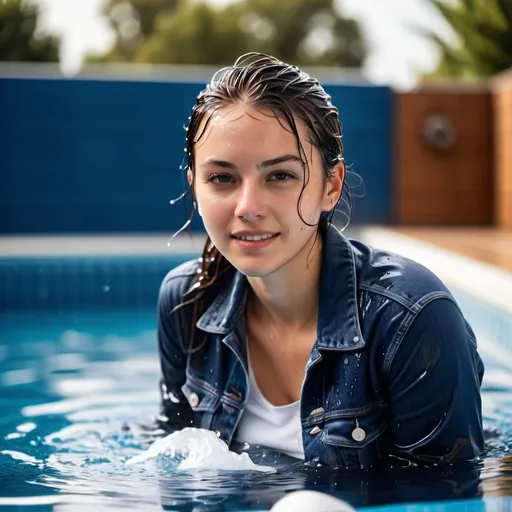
(264, 82)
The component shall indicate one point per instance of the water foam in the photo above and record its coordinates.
(196, 449)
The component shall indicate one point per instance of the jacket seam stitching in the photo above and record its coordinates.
(378, 290)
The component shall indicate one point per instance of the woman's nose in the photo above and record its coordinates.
(251, 201)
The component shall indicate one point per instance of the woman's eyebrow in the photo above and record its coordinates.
(266, 163)
(280, 160)
(218, 163)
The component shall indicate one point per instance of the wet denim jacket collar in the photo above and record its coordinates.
(338, 320)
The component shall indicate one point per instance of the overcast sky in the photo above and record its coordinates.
(396, 52)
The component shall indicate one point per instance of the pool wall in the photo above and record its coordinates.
(56, 284)
(104, 155)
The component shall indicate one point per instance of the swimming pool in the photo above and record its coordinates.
(78, 382)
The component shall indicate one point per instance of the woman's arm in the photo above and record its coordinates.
(434, 388)
(175, 411)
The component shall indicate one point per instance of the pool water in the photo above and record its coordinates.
(78, 388)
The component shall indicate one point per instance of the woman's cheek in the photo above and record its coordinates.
(214, 216)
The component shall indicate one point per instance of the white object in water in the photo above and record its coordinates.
(310, 501)
(196, 448)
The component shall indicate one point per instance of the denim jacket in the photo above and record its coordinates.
(394, 371)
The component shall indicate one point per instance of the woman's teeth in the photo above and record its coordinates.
(254, 237)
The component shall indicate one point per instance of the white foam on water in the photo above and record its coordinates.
(198, 449)
(21, 456)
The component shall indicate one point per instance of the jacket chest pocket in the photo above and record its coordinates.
(203, 402)
(356, 438)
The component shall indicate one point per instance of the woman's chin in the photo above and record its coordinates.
(252, 269)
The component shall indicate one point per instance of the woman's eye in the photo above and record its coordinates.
(224, 179)
(281, 176)
(220, 178)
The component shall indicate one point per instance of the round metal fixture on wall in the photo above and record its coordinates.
(438, 132)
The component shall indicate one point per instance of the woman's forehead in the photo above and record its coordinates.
(259, 124)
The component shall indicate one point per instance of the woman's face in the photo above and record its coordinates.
(249, 175)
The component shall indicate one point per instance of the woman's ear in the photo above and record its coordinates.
(334, 187)
(190, 179)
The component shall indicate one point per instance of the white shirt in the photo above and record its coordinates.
(275, 426)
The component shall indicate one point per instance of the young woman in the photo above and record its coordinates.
(285, 333)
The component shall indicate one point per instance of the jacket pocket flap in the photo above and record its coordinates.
(199, 398)
(356, 431)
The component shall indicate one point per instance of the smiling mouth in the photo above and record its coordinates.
(255, 238)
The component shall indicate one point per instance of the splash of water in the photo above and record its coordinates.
(196, 449)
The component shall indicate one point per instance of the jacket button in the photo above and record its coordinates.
(194, 400)
(318, 410)
(358, 434)
(355, 339)
(314, 430)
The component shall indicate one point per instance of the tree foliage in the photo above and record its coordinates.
(310, 32)
(484, 32)
(20, 40)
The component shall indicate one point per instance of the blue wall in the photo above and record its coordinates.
(82, 156)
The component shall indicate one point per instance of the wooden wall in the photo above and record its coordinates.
(502, 99)
(449, 182)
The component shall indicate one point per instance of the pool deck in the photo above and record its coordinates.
(475, 260)
(487, 245)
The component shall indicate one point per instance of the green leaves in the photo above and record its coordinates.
(484, 32)
(309, 32)
(20, 40)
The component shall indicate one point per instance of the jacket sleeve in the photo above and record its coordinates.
(175, 411)
(434, 388)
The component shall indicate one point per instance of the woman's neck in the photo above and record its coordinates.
(289, 297)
